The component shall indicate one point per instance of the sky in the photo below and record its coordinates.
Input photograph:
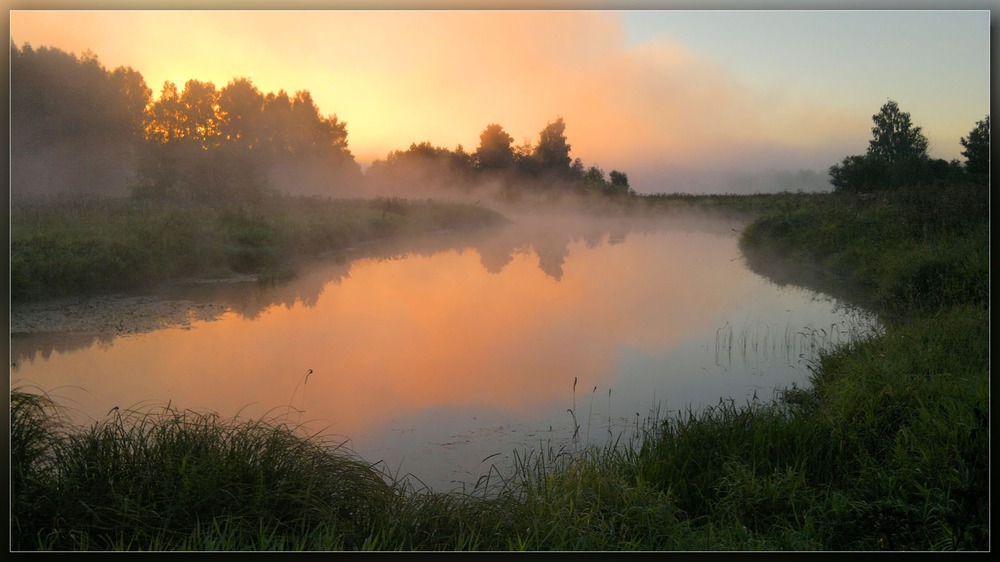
(664, 95)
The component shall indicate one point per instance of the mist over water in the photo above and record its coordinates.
(434, 354)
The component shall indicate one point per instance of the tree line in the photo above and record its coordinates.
(197, 143)
(546, 165)
(79, 127)
(897, 157)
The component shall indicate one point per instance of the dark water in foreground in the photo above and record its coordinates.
(433, 355)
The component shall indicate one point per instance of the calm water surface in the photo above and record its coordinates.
(442, 357)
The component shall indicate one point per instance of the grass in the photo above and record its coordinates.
(167, 479)
(912, 251)
(886, 450)
(90, 246)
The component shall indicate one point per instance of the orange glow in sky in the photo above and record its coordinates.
(399, 77)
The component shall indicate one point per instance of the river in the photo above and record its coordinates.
(447, 358)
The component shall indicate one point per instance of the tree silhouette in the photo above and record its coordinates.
(894, 138)
(199, 121)
(494, 152)
(73, 124)
(593, 180)
(164, 121)
(977, 151)
(236, 143)
(137, 95)
(241, 106)
(619, 183)
(419, 167)
(896, 157)
(552, 151)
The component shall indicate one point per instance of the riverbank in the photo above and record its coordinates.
(889, 450)
(84, 247)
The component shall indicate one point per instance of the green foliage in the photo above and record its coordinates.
(888, 449)
(905, 412)
(921, 248)
(159, 478)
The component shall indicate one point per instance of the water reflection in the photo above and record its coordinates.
(433, 354)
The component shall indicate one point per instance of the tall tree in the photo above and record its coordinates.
(164, 120)
(495, 150)
(73, 124)
(137, 96)
(199, 112)
(241, 105)
(977, 150)
(894, 138)
(552, 151)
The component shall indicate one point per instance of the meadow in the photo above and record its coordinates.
(887, 449)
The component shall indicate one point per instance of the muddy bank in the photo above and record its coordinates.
(116, 315)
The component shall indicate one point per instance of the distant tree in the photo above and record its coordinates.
(894, 138)
(521, 169)
(164, 120)
(461, 161)
(312, 133)
(552, 151)
(977, 151)
(524, 159)
(422, 166)
(199, 119)
(241, 106)
(896, 157)
(137, 96)
(233, 144)
(593, 180)
(619, 183)
(494, 150)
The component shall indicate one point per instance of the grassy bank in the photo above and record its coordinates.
(888, 449)
(74, 247)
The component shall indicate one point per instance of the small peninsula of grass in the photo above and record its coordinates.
(87, 246)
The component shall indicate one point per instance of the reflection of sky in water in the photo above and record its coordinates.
(433, 362)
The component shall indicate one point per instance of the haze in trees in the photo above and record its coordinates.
(74, 125)
(77, 128)
(497, 168)
(204, 144)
